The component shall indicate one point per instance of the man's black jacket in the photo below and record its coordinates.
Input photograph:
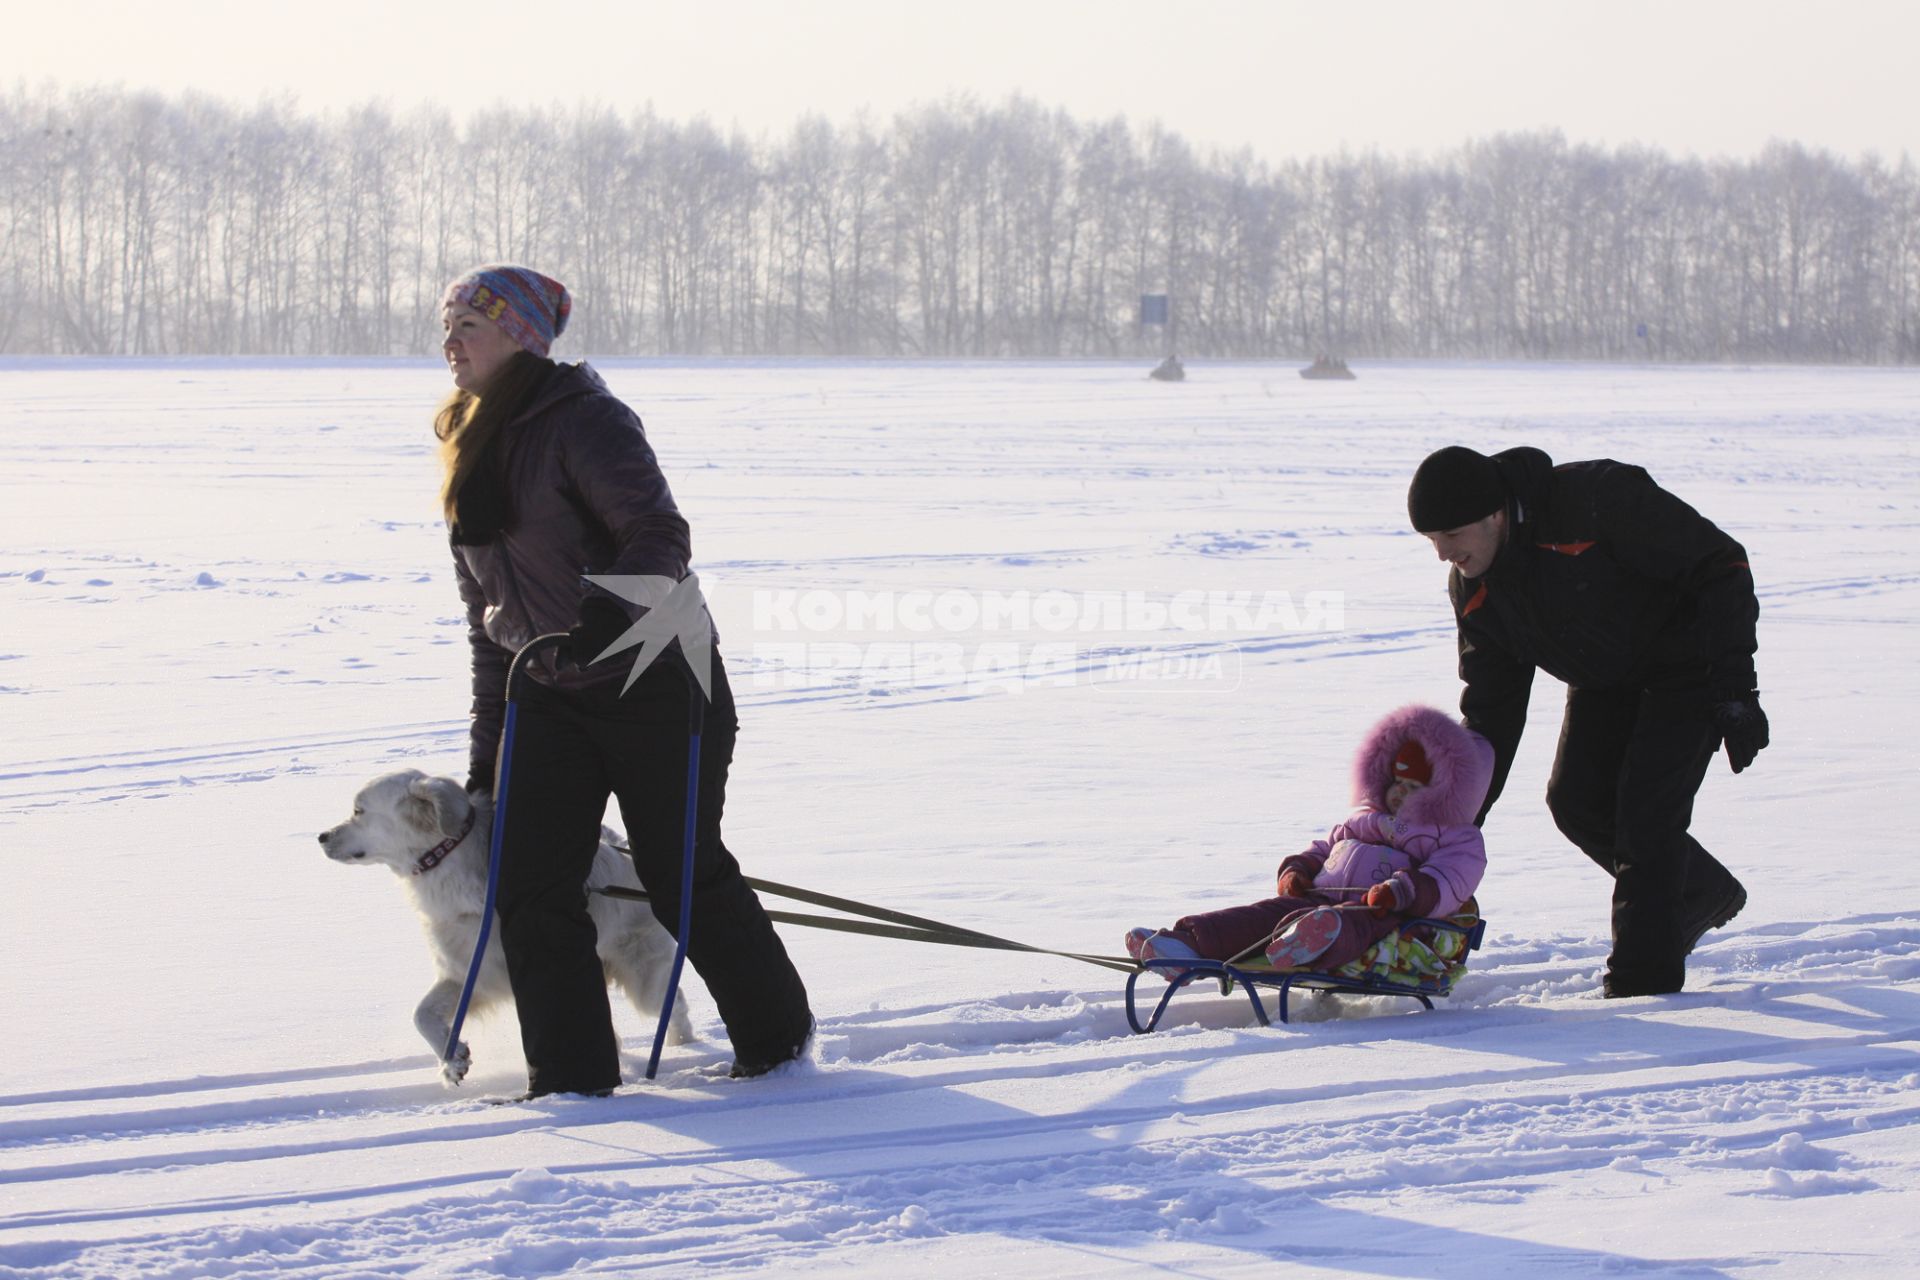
(1606, 580)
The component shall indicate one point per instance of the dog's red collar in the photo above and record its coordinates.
(438, 854)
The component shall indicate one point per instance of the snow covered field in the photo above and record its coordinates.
(226, 600)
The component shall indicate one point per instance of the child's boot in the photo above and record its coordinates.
(1145, 944)
(1305, 939)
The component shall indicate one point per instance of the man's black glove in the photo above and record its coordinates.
(1743, 725)
(601, 623)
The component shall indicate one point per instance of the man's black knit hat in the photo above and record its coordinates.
(1453, 487)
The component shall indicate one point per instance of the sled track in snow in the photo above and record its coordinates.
(260, 1118)
(1721, 1078)
(1116, 1166)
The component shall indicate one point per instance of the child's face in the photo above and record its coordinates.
(1397, 792)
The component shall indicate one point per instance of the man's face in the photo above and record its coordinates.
(1472, 547)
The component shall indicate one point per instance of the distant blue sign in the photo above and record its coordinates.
(1640, 331)
(1153, 308)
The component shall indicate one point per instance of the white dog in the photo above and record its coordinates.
(434, 836)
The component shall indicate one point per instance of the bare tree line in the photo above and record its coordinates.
(132, 223)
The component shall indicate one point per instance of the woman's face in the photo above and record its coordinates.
(475, 347)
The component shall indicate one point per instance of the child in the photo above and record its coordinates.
(1409, 849)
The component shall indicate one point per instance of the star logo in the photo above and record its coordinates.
(675, 611)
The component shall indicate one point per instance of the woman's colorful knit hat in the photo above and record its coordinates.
(531, 308)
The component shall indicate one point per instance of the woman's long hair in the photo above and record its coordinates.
(469, 428)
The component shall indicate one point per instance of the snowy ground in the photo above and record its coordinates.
(225, 601)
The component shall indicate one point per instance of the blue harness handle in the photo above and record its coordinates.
(696, 722)
(503, 772)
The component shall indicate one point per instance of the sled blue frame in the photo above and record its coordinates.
(1253, 975)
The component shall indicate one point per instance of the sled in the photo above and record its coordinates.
(1420, 960)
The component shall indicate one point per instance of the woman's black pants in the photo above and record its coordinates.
(571, 751)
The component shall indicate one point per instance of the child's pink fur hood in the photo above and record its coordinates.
(1462, 767)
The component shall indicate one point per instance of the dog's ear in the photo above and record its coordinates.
(437, 804)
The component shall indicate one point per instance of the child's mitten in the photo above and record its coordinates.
(1295, 879)
(1392, 895)
(1294, 885)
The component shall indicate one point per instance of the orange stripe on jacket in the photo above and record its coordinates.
(1479, 598)
(1565, 548)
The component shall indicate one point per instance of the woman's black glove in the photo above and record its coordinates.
(601, 623)
(1743, 725)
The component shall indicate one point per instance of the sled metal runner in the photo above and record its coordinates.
(1250, 975)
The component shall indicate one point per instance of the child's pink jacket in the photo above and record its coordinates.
(1432, 841)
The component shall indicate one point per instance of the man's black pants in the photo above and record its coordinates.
(571, 751)
(1629, 763)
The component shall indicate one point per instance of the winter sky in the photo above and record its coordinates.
(1706, 77)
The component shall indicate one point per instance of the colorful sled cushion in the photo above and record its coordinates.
(1417, 955)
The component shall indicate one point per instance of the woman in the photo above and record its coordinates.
(548, 477)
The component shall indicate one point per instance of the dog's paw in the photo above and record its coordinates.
(453, 1070)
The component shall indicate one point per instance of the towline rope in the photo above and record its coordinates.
(896, 924)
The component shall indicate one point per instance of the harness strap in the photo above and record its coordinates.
(898, 924)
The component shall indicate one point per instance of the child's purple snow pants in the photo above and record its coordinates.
(1226, 933)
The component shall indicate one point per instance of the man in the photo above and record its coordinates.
(1594, 574)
